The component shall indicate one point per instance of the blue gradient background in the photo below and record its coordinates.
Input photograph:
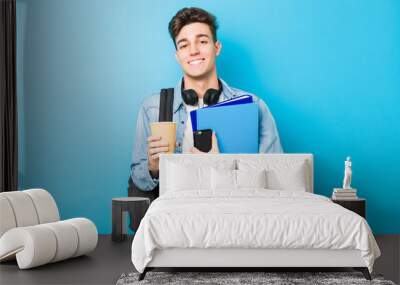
(328, 70)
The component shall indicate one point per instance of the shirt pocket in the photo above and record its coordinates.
(153, 114)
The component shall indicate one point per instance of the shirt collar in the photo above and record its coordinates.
(227, 93)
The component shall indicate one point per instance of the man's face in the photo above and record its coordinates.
(196, 50)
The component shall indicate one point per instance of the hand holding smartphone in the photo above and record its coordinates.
(203, 140)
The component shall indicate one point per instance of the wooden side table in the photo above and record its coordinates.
(357, 206)
(121, 205)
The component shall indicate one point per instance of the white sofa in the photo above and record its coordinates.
(31, 231)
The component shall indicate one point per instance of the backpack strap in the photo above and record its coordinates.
(166, 105)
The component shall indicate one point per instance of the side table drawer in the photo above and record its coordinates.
(357, 206)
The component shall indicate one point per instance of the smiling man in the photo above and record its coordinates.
(194, 33)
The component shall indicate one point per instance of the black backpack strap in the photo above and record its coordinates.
(166, 105)
(166, 111)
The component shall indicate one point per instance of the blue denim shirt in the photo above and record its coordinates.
(268, 141)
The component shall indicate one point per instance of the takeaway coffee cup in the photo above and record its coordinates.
(167, 131)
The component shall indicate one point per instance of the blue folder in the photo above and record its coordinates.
(236, 126)
(244, 99)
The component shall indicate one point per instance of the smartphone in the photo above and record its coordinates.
(202, 140)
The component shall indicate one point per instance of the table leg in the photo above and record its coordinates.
(117, 222)
(137, 212)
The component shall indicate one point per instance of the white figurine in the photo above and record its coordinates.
(347, 173)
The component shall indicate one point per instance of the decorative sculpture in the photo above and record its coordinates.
(347, 173)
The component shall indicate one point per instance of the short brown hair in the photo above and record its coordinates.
(191, 15)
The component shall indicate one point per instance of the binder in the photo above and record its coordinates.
(244, 99)
(236, 126)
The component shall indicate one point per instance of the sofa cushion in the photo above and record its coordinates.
(7, 220)
(26, 208)
(46, 207)
(23, 208)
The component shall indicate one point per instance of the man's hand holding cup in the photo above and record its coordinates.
(162, 140)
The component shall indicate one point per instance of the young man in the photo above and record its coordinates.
(194, 33)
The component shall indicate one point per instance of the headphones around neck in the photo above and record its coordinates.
(211, 97)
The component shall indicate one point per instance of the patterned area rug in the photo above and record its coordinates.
(229, 278)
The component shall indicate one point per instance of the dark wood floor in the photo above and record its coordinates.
(389, 262)
(110, 260)
(103, 266)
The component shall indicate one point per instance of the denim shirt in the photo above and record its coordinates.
(268, 134)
